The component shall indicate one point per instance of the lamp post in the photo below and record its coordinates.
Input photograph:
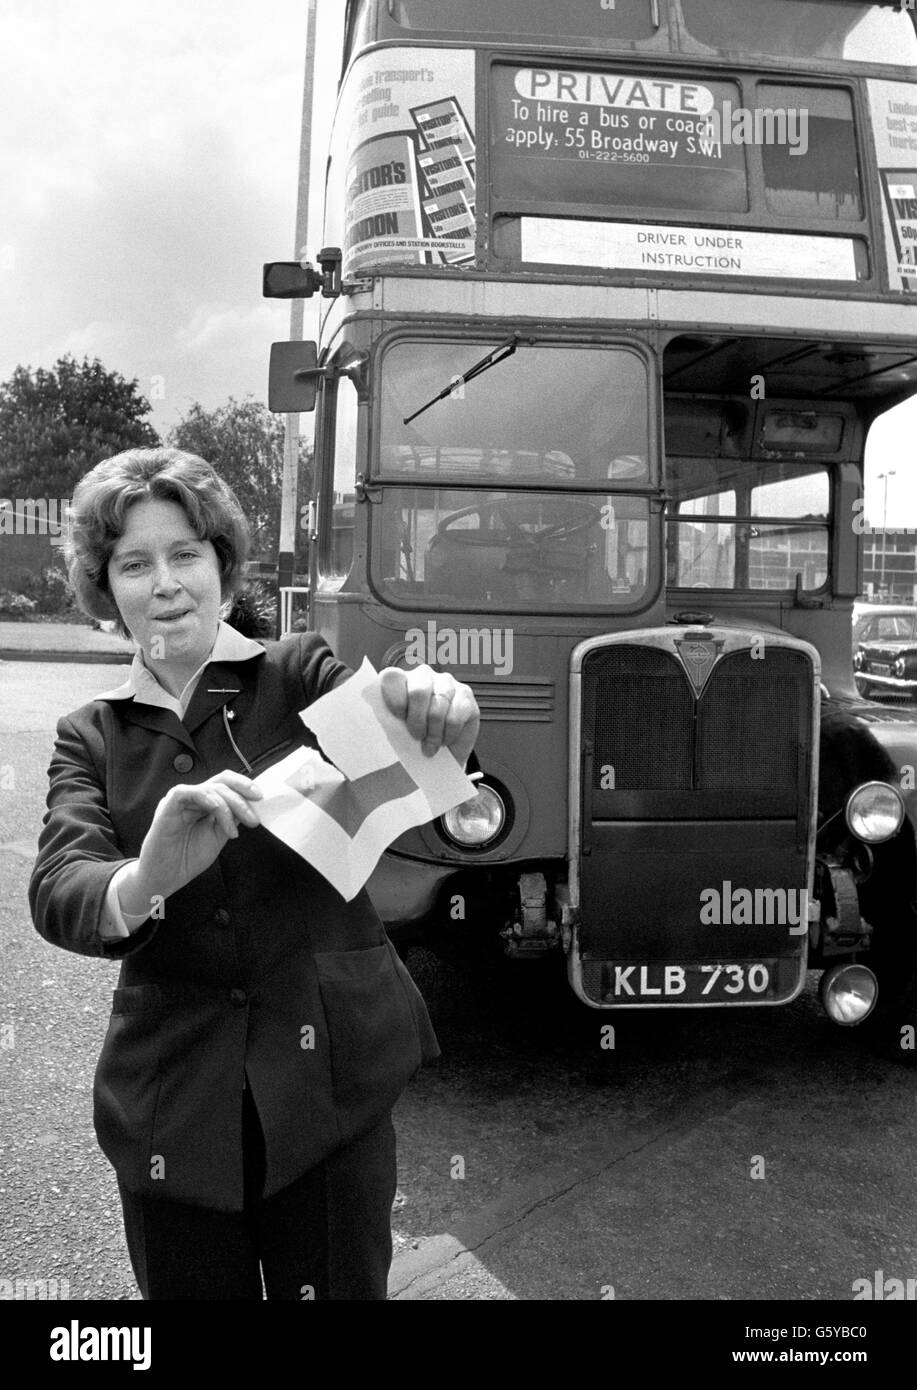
(886, 476)
(286, 557)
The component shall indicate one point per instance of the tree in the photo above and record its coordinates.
(57, 424)
(244, 442)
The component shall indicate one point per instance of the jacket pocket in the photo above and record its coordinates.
(128, 1080)
(276, 753)
(135, 999)
(373, 1025)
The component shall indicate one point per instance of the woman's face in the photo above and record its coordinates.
(166, 584)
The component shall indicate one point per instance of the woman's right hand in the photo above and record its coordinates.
(190, 828)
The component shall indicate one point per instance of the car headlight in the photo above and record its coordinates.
(899, 667)
(858, 660)
(477, 821)
(874, 812)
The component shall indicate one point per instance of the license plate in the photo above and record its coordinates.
(878, 668)
(720, 982)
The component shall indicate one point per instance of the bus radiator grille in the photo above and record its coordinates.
(746, 732)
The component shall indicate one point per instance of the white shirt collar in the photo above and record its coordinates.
(141, 684)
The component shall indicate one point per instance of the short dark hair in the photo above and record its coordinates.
(102, 498)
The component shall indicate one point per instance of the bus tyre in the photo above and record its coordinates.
(891, 1028)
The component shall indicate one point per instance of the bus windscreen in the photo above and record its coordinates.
(805, 29)
(747, 524)
(512, 491)
(578, 417)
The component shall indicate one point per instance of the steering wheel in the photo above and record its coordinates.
(581, 516)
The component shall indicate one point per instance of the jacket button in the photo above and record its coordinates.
(238, 997)
(222, 917)
(183, 763)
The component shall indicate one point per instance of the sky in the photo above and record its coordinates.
(149, 164)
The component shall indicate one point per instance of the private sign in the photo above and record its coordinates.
(606, 89)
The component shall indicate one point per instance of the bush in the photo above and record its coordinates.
(254, 610)
(55, 596)
(49, 590)
(16, 606)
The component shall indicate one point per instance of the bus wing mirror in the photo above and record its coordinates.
(293, 379)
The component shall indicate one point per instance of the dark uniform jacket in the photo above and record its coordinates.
(258, 972)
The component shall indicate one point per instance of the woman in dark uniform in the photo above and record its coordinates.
(262, 1027)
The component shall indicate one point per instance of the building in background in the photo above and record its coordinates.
(890, 566)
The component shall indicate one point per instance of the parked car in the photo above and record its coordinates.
(866, 616)
(885, 649)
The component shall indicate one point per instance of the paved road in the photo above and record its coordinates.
(533, 1164)
(35, 640)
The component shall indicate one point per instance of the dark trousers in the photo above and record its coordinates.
(326, 1236)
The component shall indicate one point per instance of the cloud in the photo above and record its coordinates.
(90, 83)
(221, 351)
(219, 328)
(105, 340)
(148, 166)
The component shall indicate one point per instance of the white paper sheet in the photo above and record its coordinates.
(340, 819)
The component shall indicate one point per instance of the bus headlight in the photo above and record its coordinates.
(874, 812)
(477, 821)
(848, 993)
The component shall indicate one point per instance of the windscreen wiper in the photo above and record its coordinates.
(496, 355)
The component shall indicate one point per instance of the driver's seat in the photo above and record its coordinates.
(468, 571)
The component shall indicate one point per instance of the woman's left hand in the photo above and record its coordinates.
(437, 709)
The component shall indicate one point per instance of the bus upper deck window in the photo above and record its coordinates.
(805, 29)
(810, 165)
(626, 20)
(634, 166)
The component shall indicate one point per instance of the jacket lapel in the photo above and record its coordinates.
(158, 721)
(220, 684)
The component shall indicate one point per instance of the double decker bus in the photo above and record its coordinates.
(611, 293)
